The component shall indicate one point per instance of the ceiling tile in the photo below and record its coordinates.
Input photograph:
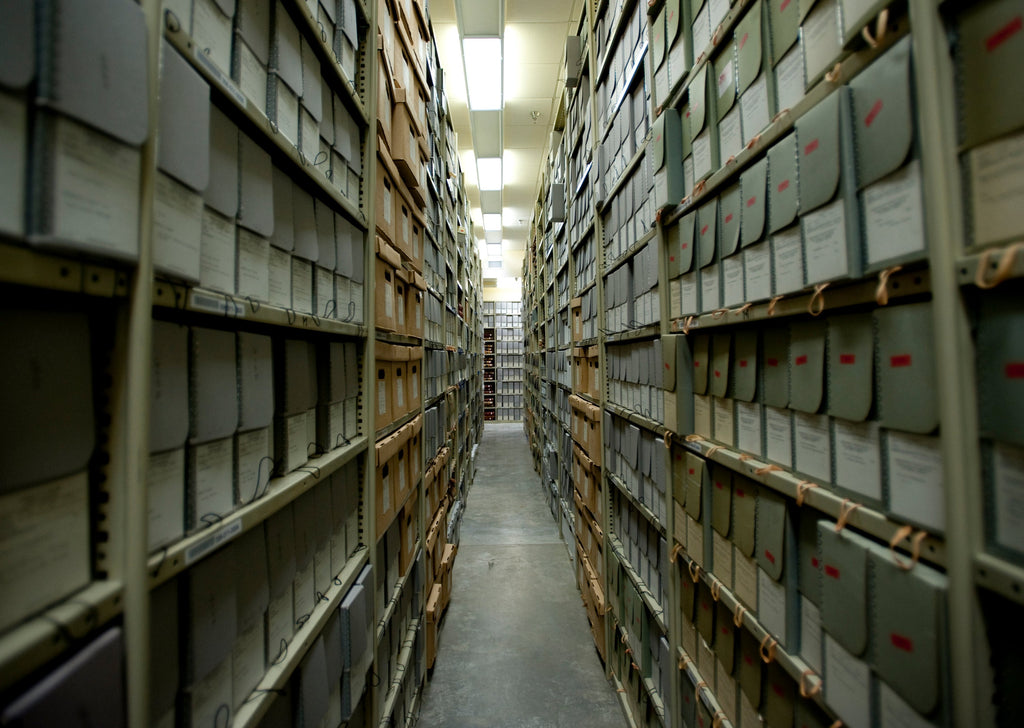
(517, 111)
(538, 11)
(535, 42)
(524, 136)
(531, 80)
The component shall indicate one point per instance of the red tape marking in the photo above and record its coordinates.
(900, 360)
(831, 571)
(901, 642)
(873, 114)
(813, 146)
(1003, 34)
(801, 360)
(847, 359)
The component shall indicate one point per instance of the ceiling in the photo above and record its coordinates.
(534, 52)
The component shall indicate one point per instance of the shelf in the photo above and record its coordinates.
(1000, 576)
(868, 520)
(623, 89)
(396, 596)
(396, 425)
(269, 137)
(586, 288)
(401, 669)
(647, 683)
(783, 123)
(31, 645)
(645, 594)
(174, 559)
(402, 339)
(328, 59)
(643, 332)
(631, 253)
(844, 294)
(178, 296)
(636, 418)
(25, 266)
(620, 23)
(279, 674)
(620, 692)
(795, 666)
(967, 266)
(642, 508)
(688, 663)
(624, 175)
(587, 398)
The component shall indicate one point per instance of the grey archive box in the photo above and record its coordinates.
(844, 586)
(721, 350)
(783, 198)
(807, 365)
(743, 376)
(667, 158)
(909, 632)
(677, 381)
(753, 196)
(770, 533)
(850, 369)
(705, 613)
(695, 477)
(721, 499)
(729, 205)
(744, 516)
(775, 366)
(906, 368)
(707, 227)
(1000, 364)
(213, 385)
(779, 695)
(725, 637)
(809, 555)
(751, 667)
(701, 363)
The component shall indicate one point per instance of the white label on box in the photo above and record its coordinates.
(825, 243)
(661, 189)
(847, 685)
(724, 428)
(389, 208)
(702, 155)
(771, 599)
(677, 65)
(1008, 474)
(702, 30)
(336, 424)
(755, 108)
(722, 563)
(732, 268)
(295, 447)
(710, 288)
(382, 398)
(688, 175)
(177, 229)
(719, 9)
(893, 214)
(778, 428)
(44, 545)
(304, 592)
(757, 267)
(389, 300)
(858, 458)
(689, 294)
(253, 266)
(810, 634)
(95, 189)
(217, 252)
(748, 427)
(706, 662)
(280, 624)
(726, 80)
(730, 135)
(399, 392)
(280, 282)
(252, 77)
(916, 489)
(166, 497)
(13, 148)
(813, 445)
(789, 77)
(287, 113)
(211, 694)
(211, 33)
(702, 415)
(325, 303)
(309, 133)
(820, 36)
(997, 189)
(661, 85)
(254, 464)
(745, 578)
(695, 540)
(788, 260)
(302, 285)
(214, 481)
(247, 665)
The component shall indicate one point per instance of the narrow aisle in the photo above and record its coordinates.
(515, 647)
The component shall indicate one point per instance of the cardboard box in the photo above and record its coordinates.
(386, 482)
(387, 195)
(388, 262)
(383, 380)
(409, 533)
(414, 300)
(401, 286)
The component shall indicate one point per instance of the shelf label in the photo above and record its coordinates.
(225, 83)
(221, 536)
(221, 305)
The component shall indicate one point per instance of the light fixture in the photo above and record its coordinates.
(494, 251)
(488, 173)
(492, 221)
(482, 57)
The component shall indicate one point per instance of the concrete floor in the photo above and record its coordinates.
(515, 648)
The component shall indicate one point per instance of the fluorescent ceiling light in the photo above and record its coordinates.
(488, 173)
(483, 72)
(492, 222)
(494, 251)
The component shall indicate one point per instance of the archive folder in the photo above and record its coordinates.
(727, 113)
(850, 369)
(93, 92)
(771, 533)
(906, 368)
(667, 159)
(721, 352)
(845, 592)
(1000, 365)
(807, 365)
(744, 503)
(221, 192)
(754, 78)
(17, 71)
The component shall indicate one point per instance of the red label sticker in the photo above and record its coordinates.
(684, 246)
(1003, 34)
(658, 139)
(672, 258)
(728, 218)
(801, 360)
(811, 147)
(748, 659)
(725, 630)
(773, 362)
(743, 363)
(783, 185)
(705, 606)
(1015, 370)
(847, 358)
(752, 201)
(718, 374)
(704, 230)
(831, 571)
(691, 471)
(769, 555)
(743, 41)
(900, 360)
(902, 642)
(783, 5)
(667, 366)
(740, 493)
(814, 562)
(696, 364)
(718, 485)
(777, 689)
(873, 114)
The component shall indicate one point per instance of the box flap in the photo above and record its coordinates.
(844, 587)
(775, 366)
(729, 205)
(817, 134)
(707, 223)
(744, 365)
(771, 532)
(807, 365)
(851, 361)
(782, 184)
(753, 191)
(906, 368)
